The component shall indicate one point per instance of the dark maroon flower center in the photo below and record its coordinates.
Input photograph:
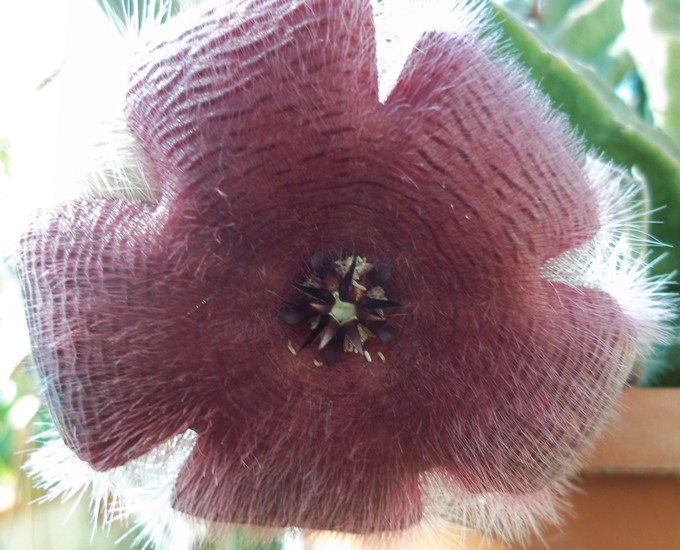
(344, 304)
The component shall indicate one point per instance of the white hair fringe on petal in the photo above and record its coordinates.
(137, 494)
(617, 259)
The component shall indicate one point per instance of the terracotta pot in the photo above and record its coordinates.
(629, 495)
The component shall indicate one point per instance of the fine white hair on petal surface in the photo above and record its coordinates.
(616, 260)
(399, 24)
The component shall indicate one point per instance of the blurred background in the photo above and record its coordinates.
(613, 66)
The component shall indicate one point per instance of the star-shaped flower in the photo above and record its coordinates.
(454, 266)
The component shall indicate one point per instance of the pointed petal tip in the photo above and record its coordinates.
(345, 288)
(313, 335)
(376, 303)
(328, 333)
(352, 331)
(320, 294)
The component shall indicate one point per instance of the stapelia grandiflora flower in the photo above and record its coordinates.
(376, 286)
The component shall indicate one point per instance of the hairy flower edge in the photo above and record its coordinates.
(139, 495)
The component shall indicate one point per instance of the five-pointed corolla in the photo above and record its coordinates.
(352, 304)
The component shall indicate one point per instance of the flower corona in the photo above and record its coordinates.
(346, 305)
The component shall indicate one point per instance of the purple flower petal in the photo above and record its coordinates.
(217, 102)
(89, 290)
(477, 142)
(527, 389)
(255, 482)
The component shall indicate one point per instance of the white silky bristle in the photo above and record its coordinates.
(616, 259)
(400, 24)
(138, 493)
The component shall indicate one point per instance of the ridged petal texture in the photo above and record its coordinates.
(264, 138)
